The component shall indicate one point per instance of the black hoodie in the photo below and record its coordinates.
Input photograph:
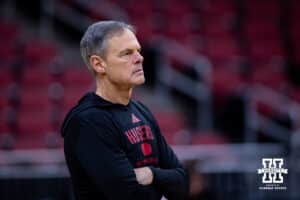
(104, 142)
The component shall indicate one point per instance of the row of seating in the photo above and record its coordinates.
(39, 89)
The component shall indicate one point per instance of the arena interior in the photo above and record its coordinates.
(222, 79)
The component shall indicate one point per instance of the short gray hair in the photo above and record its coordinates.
(94, 40)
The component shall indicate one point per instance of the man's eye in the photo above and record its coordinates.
(126, 53)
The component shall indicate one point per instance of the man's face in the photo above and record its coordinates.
(124, 63)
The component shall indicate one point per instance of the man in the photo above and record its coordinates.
(113, 146)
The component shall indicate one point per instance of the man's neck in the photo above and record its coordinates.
(113, 93)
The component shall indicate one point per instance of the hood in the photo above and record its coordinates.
(89, 100)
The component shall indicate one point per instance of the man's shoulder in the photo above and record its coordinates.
(93, 113)
(140, 105)
(144, 110)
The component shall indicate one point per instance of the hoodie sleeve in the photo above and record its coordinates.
(170, 177)
(96, 147)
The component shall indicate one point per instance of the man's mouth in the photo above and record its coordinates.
(138, 70)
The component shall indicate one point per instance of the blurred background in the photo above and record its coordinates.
(223, 80)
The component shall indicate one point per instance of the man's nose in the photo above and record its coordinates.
(138, 57)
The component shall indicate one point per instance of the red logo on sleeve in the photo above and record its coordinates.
(146, 149)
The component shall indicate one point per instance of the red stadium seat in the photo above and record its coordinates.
(6, 77)
(8, 32)
(226, 82)
(176, 9)
(3, 122)
(264, 109)
(266, 51)
(73, 93)
(40, 52)
(266, 9)
(178, 30)
(34, 98)
(36, 76)
(295, 39)
(220, 26)
(137, 9)
(294, 12)
(7, 53)
(296, 94)
(77, 75)
(218, 8)
(222, 49)
(29, 142)
(77, 81)
(146, 28)
(170, 123)
(3, 101)
(32, 123)
(257, 30)
(270, 77)
(202, 138)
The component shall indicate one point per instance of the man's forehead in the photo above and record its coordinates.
(126, 39)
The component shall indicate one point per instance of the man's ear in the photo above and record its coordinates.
(97, 64)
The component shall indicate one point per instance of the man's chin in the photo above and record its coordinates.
(140, 81)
